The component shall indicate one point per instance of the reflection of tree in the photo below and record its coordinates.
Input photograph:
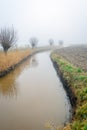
(33, 61)
(8, 84)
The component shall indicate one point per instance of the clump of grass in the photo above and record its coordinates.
(81, 112)
(77, 80)
(78, 125)
(80, 77)
(12, 57)
(79, 70)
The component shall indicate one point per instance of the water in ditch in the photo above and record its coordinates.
(32, 97)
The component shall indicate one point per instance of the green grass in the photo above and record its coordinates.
(77, 80)
(77, 125)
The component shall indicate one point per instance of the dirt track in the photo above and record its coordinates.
(77, 55)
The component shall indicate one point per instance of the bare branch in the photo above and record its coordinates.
(61, 42)
(7, 38)
(33, 42)
(51, 42)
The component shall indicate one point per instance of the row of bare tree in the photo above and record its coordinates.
(51, 42)
(8, 38)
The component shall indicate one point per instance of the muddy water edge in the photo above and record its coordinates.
(32, 97)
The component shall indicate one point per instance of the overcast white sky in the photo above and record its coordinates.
(58, 19)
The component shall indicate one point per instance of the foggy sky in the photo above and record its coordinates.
(58, 19)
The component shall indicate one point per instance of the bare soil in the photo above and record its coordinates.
(77, 55)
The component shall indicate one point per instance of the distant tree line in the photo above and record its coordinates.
(8, 38)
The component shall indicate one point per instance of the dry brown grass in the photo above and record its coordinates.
(12, 57)
(67, 127)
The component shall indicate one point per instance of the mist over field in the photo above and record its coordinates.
(58, 19)
(43, 64)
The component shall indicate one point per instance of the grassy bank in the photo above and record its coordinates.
(12, 57)
(76, 79)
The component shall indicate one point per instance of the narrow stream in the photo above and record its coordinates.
(32, 97)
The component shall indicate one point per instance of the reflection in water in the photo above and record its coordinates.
(8, 84)
(40, 102)
(33, 61)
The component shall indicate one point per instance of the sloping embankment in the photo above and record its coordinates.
(10, 61)
(74, 80)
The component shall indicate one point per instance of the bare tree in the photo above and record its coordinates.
(51, 42)
(61, 42)
(7, 38)
(33, 42)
